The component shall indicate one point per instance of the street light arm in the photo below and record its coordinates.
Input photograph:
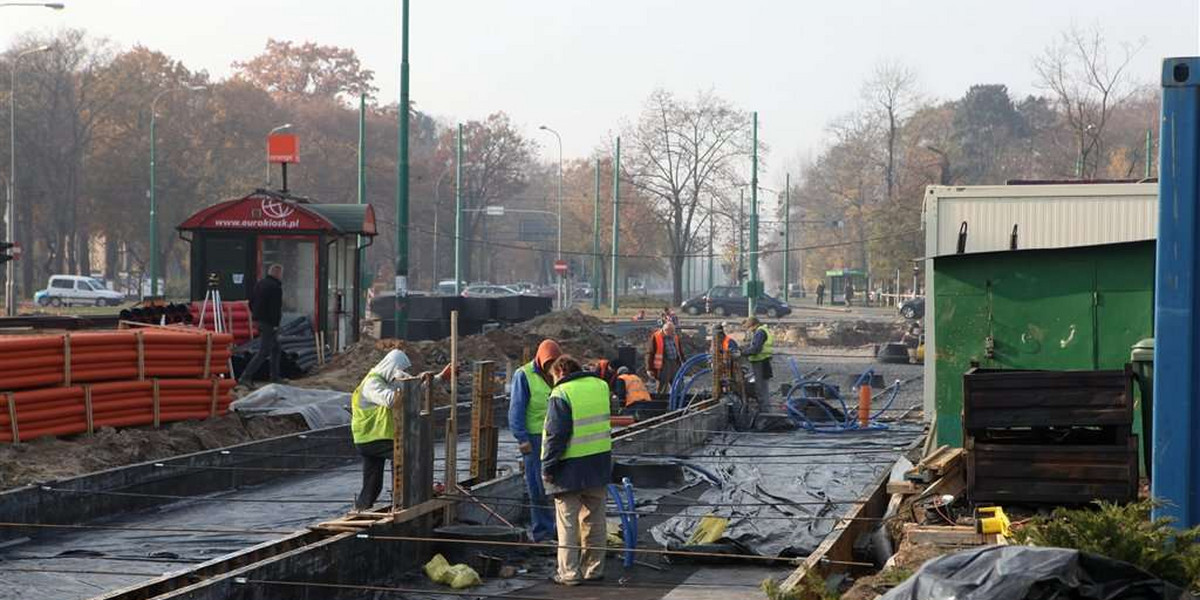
(50, 5)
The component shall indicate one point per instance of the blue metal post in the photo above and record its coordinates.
(1176, 302)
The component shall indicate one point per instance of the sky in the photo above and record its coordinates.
(585, 67)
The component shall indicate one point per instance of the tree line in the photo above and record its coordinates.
(82, 136)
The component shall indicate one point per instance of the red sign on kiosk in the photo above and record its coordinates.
(283, 148)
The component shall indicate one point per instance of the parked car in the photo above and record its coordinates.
(725, 300)
(445, 287)
(69, 290)
(914, 308)
(489, 291)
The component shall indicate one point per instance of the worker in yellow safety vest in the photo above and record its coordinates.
(759, 348)
(526, 414)
(576, 467)
(371, 418)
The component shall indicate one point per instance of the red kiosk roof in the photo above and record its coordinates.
(270, 211)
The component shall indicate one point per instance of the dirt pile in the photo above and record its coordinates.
(578, 334)
(48, 459)
(844, 334)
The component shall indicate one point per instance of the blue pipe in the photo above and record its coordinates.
(629, 517)
(848, 423)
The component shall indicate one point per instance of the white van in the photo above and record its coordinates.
(68, 290)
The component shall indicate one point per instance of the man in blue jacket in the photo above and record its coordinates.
(526, 416)
(576, 466)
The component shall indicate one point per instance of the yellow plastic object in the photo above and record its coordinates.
(458, 576)
(614, 538)
(991, 519)
(436, 568)
(708, 530)
(461, 576)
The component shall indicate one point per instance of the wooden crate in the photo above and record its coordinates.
(1063, 474)
(996, 399)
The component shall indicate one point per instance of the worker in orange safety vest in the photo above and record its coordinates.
(664, 355)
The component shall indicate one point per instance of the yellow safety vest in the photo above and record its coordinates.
(591, 432)
(370, 423)
(539, 396)
(768, 346)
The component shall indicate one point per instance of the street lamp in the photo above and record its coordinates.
(50, 5)
(153, 187)
(10, 288)
(283, 127)
(562, 296)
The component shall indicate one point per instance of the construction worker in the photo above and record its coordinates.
(758, 353)
(604, 369)
(526, 414)
(576, 467)
(664, 355)
(266, 308)
(371, 418)
(628, 389)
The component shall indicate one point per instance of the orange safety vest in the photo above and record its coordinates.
(635, 390)
(658, 349)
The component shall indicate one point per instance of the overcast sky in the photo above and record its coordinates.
(585, 66)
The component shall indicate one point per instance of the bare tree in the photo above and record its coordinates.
(891, 95)
(682, 154)
(1088, 83)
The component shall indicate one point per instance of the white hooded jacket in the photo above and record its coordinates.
(380, 391)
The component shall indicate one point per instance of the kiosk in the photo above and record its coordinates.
(317, 244)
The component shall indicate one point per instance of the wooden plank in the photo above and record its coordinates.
(943, 535)
(903, 487)
(838, 546)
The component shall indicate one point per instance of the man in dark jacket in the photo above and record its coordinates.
(576, 467)
(266, 307)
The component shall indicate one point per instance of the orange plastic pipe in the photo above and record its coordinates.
(864, 405)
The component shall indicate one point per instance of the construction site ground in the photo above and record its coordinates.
(820, 346)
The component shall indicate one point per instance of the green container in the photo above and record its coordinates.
(1056, 310)
(1141, 357)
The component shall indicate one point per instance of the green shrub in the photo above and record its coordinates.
(1125, 533)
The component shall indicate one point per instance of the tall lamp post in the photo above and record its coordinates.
(153, 186)
(10, 213)
(50, 5)
(562, 295)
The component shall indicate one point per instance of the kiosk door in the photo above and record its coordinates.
(231, 258)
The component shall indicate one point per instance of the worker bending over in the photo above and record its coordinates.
(371, 421)
(628, 390)
(526, 416)
(664, 355)
(758, 353)
(576, 467)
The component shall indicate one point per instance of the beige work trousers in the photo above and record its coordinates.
(580, 519)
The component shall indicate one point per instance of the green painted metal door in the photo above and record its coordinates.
(1079, 308)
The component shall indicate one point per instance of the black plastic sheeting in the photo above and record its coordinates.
(1028, 573)
(78, 564)
(783, 492)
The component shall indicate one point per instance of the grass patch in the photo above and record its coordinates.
(1125, 533)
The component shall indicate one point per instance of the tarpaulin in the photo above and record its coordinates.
(782, 492)
(1029, 573)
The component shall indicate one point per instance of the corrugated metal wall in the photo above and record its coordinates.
(1047, 216)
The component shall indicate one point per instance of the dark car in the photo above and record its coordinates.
(725, 300)
(913, 309)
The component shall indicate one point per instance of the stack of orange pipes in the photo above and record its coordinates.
(74, 383)
(237, 317)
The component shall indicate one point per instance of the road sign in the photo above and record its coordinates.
(283, 148)
(560, 267)
(494, 210)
